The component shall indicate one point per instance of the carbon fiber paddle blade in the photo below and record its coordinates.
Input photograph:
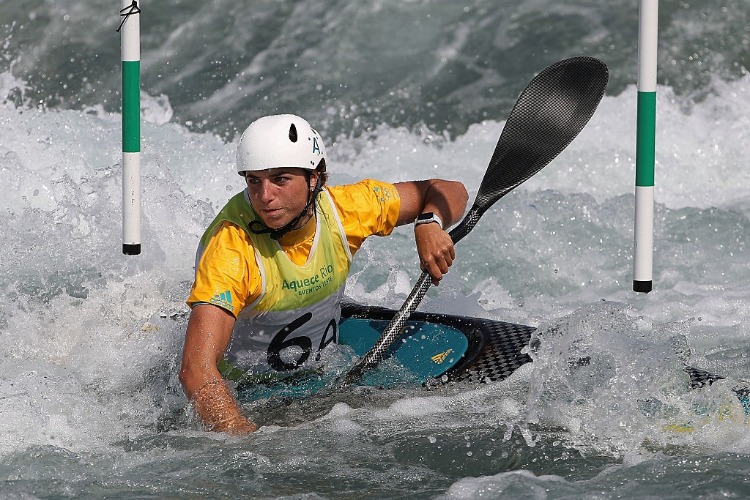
(548, 115)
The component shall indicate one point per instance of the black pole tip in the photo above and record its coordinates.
(642, 286)
(131, 249)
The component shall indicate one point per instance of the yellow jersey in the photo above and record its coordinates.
(286, 298)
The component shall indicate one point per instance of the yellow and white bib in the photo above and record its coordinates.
(298, 311)
(287, 308)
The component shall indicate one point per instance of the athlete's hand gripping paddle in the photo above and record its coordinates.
(548, 115)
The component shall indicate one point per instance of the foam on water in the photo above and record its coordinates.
(92, 338)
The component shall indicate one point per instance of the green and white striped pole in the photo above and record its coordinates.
(130, 36)
(648, 20)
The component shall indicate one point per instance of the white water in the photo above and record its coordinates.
(92, 338)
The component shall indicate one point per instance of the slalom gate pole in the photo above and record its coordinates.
(130, 35)
(648, 17)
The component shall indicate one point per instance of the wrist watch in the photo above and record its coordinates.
(427, 218)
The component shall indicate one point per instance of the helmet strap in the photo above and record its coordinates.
(258, 227)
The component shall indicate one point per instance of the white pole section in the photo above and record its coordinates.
(130, 37)
(648, 27)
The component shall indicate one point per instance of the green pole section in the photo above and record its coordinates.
(131, 106)
(646, 139)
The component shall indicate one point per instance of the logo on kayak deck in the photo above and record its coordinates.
(223, 299)
(440, 357)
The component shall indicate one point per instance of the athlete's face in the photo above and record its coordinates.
(278, 195)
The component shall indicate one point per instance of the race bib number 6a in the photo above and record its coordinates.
(288, 351)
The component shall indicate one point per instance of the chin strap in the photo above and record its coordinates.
(257, 227)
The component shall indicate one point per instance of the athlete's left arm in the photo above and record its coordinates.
(446, 199)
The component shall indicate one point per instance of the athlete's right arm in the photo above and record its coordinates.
(208, 334)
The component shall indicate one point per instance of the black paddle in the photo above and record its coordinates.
(548, 115)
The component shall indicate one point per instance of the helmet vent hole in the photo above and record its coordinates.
(293, 133)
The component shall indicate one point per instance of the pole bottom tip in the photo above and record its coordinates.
(131, 249)
(642, 286)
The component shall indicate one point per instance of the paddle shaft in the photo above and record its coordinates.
(398, 323)
(548, 115)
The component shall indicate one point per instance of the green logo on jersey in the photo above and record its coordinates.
(312, 284)
(223, 300)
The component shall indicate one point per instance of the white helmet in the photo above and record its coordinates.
(280, 141)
